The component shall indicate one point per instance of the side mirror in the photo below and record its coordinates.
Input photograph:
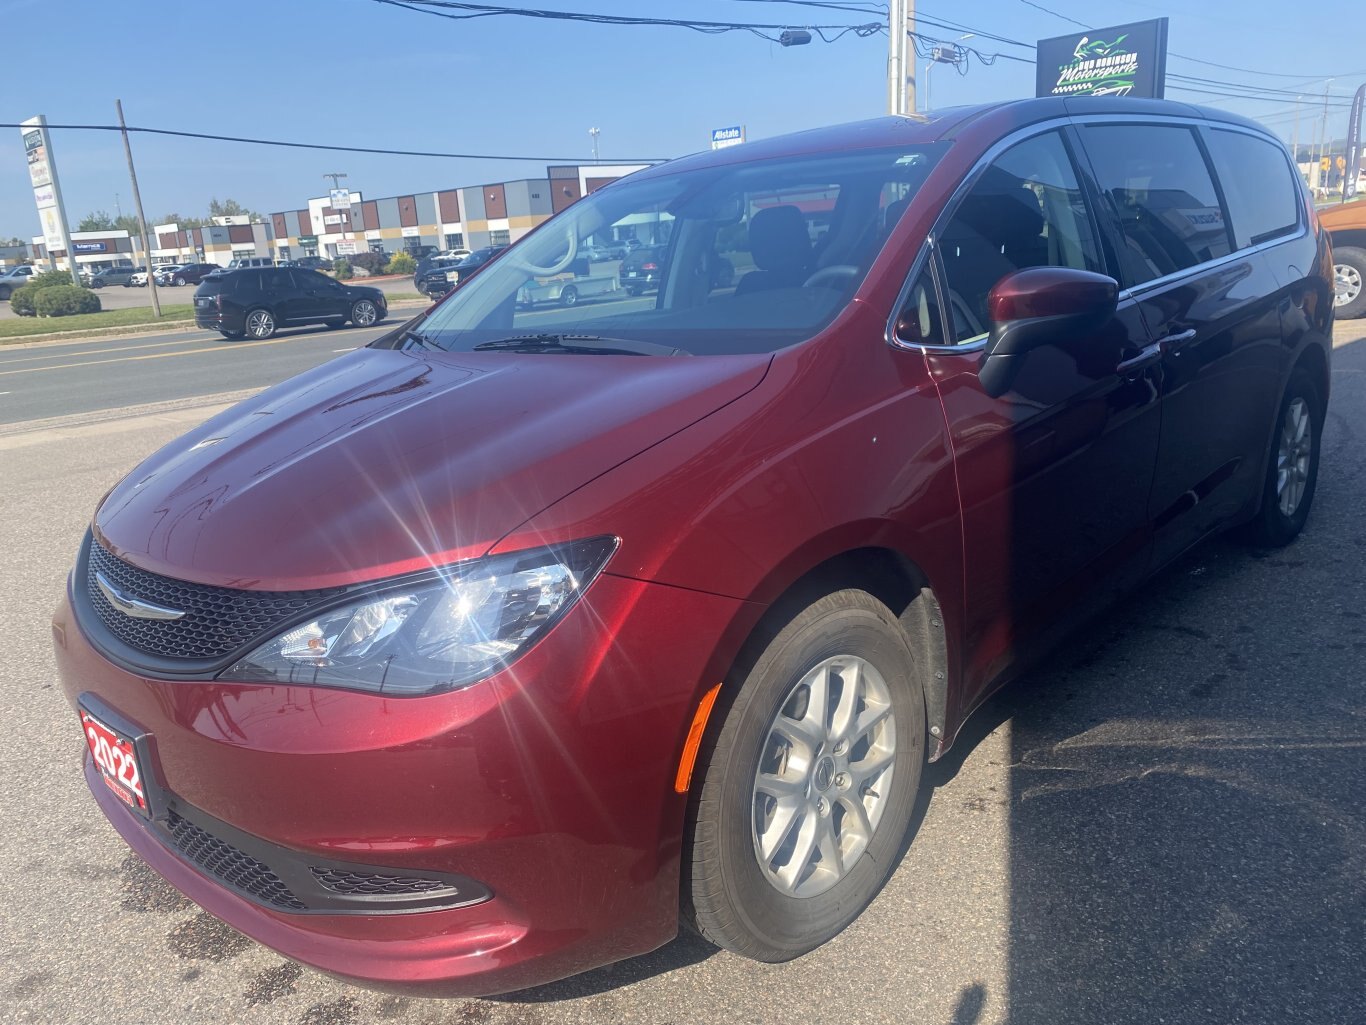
(1040, 306)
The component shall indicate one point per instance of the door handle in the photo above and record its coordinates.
(1173, 343)
(1150, 356)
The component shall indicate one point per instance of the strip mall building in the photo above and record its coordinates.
(467, 217)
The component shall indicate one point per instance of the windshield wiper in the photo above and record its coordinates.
(595, 345)
(413, 335)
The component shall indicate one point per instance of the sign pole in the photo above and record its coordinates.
(47, 192)
(142, 220)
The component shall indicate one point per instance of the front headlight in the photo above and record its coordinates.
(436, 632)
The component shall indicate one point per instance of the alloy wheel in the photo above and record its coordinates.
(824, 776)
(1346, 284)
(1293, 456)
(363, 314)
(260, 324)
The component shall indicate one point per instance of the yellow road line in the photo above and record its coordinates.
(93, 352)
(152, 355)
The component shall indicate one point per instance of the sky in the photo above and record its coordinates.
(362, 73)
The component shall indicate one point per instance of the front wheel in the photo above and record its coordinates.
(364, 313)
(1292, 467)
(570, 296)
(260, 323)
(177, 281)
(806, 792)
(1349, 282)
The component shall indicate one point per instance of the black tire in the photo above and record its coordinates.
(569, 296)
(177, 281)
(727, 894)
(267, 325)
(634, 291)
(1349, 272)
(232, 336)
(1273, 527)
(359, 310)
(4, 292)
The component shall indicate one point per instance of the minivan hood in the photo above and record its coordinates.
(383, 461)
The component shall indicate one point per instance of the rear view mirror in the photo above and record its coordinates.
(1040, 306)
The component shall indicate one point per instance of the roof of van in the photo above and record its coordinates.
(942, 125)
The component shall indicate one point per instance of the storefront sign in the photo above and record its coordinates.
(90, 247)
(413, 232)
(1125, 60)
(308, 240)
(339, 199)
(723, 137)
(347, 247)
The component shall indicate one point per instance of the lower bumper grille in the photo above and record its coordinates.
(230, 866)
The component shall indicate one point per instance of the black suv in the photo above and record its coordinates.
(645, 266)
(256, 301)
(193, 273)
(440, 276)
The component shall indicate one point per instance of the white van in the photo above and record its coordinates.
(250, 261)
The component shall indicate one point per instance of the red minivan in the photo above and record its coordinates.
(489, 653)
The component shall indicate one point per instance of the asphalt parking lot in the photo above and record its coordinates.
(1162, 823)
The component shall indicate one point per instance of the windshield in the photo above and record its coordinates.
(743, 258)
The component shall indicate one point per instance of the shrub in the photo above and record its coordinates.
(65, 300)
(373, 263)
(50, 279)
(21, 300)
(342, 269)
(401, 263)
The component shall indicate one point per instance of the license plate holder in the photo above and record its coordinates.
(117, 761)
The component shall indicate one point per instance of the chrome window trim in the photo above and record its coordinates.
(1053, 124)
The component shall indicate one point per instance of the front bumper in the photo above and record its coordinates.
(549, 784)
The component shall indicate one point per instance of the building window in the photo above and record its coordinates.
(500, 237)
(455, 240)
(377, 245)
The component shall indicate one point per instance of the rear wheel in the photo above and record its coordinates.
(177, 281)
(1349, 281)
(260, 323)
(634, 291)
(1293, 466)
(364, 313)
(805, 794)
(570, 296)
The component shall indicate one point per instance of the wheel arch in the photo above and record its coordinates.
(1348, 237)
(893, 578)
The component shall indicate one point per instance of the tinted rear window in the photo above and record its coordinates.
(1263, 202)
(1162, 191)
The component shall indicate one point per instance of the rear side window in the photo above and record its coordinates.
(246, 281)
(1263, 202)
(1161, 189)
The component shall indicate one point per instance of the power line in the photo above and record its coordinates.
(349, 149)
(462, 10)
(828, 5)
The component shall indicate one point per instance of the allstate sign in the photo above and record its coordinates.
(723, 137)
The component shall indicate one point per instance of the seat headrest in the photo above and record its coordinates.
(1004, 217)
(778, 239)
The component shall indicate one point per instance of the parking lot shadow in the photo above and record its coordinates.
(1188, 831)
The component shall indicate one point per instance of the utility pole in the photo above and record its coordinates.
(1295, 136)
(142, 220)
(900, 57)
(336, 176)
(1327, 140)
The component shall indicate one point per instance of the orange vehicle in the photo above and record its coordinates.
(1346, 226)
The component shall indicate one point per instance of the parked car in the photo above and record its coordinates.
(557, 626)
(139, 277)
(115, 276)
(192, 273)
(163, 274)
(454, 254)
(317, 263)
(1346, 226)
(238, 262)
(14, 278)
(257, 301)
(645, 267)
(441, 276)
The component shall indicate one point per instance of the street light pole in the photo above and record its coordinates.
(142, 220)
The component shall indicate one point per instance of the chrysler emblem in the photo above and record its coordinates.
(135, 607)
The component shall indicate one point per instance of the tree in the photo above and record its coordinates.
(185, 223)
(231, 208)
(98, 220)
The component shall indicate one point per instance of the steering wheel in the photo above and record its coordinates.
(557, 267)
(831, 277)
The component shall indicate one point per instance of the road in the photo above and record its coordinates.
(1163, 823)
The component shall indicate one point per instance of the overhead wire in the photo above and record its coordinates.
(345, 149)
